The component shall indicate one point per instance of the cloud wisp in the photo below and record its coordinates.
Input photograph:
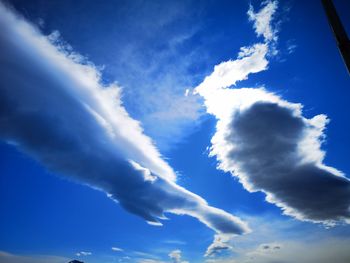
(117, 249)
(176, 256)
(221, 243)
(262, 20)
(83, 253)
(267, 143)
(54, 107)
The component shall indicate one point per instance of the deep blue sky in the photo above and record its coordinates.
(136, 43)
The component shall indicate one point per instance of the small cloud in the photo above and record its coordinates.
(221, 243)
(117, 249)
(83, 253)
(269, 247)
(266, 247)
(291, 46)
(175, 256)
(262, 20)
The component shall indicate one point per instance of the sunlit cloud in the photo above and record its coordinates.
(117, 249)
(78, 128)
(267, 143)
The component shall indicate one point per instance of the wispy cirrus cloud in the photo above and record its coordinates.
(54, 107)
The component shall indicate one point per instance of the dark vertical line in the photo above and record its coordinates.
(338, 31)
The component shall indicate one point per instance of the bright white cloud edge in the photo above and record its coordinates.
(266, 142)
(55, 109)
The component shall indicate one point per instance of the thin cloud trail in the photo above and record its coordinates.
(54, 108)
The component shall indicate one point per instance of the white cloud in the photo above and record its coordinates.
(83, 253)
(268, 144)
(276, 239)
(213, 88)
(176, 256)
(291, 46)
(117, 249)
(221, 243)
(54, 107)
(263, 20)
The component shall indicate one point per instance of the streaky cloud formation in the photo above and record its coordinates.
(268, 144)
(54, 107)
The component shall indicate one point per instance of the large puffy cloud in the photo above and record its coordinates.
(54, 107)
(268, 145)
(271, 147)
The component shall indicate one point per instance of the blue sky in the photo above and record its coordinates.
(163, 131)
